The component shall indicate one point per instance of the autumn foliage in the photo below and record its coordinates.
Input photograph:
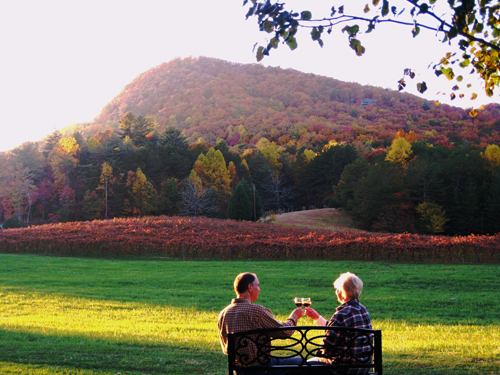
(241, 103)
(180, 137)
(202, 238)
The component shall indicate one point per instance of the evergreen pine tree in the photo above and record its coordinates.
(241, 202)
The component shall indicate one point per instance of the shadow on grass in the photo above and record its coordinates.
(102, 355)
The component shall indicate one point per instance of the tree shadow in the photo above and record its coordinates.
(82, 353)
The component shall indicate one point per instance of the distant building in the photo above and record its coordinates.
(367, 101)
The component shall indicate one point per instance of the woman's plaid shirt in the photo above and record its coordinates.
(242, 315)
(350, 314)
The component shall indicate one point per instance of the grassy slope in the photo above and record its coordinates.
(86, 316)
(324, 218)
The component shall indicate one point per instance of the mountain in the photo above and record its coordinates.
(393, 161)
(210, 99)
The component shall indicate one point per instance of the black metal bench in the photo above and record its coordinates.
(306, 343)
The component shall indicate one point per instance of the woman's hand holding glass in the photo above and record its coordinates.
(311, 313)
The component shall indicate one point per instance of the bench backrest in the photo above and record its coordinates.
(307, 342)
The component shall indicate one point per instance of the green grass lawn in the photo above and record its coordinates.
(95, 316)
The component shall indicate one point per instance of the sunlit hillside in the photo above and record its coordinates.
(203, 137)
(213, 99)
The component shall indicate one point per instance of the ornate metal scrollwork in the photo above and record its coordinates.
(342, 347)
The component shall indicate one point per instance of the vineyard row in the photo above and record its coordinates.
(201, 238)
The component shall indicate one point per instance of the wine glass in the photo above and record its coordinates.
(302, 302)
(306, 302)
(298, 301)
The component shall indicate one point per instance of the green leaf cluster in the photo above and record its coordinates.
(475, 25)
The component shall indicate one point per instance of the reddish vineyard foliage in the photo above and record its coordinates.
(202, 238)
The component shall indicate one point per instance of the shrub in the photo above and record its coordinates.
(12, 222)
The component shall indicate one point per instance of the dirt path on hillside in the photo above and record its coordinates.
(324, 218)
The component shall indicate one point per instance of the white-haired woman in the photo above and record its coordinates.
(351, 313)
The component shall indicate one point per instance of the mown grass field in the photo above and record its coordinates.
(95, 316)
(322, 218)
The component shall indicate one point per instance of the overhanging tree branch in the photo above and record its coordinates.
(477, 22)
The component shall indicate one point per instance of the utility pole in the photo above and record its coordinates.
(254, 210)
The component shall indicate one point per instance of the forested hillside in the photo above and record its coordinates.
(206, 137)
(214, 99)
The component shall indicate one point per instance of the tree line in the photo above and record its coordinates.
(410, 186)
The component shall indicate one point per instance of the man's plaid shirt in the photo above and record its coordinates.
(242, 315)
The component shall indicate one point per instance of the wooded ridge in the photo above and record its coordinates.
(204, 137)
(210, 99)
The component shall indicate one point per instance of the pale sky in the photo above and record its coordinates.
(62, 61)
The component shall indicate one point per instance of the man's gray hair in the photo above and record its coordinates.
(242, 281)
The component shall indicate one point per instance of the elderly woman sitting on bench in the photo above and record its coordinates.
(351, 313)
